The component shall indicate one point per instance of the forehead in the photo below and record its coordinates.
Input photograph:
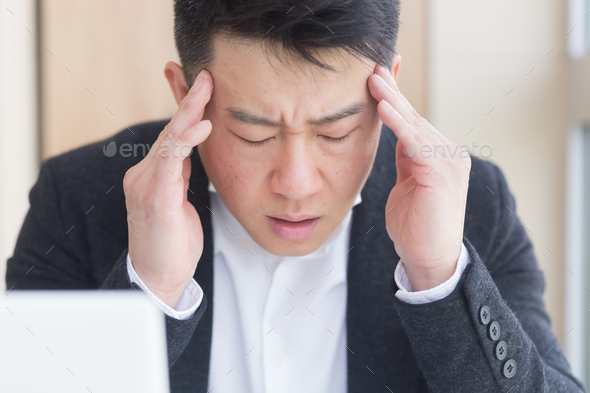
(247, 75)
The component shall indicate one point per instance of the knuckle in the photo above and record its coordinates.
(418, 121)
(397, 96)
(181, 139)
(166, 139)
(169, 126)
(414, 134)
(166, 131)
(186, 106)
(127, 181)
(145, 197)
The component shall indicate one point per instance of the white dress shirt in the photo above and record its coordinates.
(279, 323)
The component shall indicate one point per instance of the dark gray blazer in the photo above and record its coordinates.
(75, 235)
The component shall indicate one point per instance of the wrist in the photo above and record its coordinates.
(169, 291)
(422, 279)
(171, 299)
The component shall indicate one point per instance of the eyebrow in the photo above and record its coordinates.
(246, 117)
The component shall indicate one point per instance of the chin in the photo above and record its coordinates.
(287, 248)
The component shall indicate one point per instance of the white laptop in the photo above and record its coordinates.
(82, 341)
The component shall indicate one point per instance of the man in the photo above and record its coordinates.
(274, 249)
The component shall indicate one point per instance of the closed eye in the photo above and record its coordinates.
(328, 139)
(256, 143)
(336, 140)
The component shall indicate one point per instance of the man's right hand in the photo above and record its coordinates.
(165, 232)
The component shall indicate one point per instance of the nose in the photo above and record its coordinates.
(296, 175)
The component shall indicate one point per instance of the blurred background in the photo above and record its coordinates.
(511, 80)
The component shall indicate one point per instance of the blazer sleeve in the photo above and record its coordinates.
(492, 333)
(46, 257)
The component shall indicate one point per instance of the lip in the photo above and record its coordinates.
(291, 229)
(294, 219)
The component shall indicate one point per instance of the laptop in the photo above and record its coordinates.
(82, 341)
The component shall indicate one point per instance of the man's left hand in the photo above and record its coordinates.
(425, 211)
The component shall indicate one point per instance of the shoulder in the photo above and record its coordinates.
(104, 161)
(91, 175)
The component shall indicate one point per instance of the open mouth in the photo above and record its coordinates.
(293, 230)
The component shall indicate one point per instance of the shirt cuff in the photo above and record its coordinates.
(441, 291)
(189, 302)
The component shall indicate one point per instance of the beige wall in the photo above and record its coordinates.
(18, 120)
(116, 51)
(412, 48)
(477, 53)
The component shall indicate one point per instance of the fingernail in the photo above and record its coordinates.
(202, 124)
(199, 84)
(199, 80)
(381, 80)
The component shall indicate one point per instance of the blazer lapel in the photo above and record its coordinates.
(191, 371)
(379, 353)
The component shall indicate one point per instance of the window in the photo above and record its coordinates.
(577, 273)
(586, 242)
(578, 30)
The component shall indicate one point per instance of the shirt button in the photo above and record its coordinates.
(510, 368)
(501, 350)
(484, 315)
(494, 331)
(276, 359)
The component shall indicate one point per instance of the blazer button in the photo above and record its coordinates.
(484, 315)
(501, 350)
(510, 368)
(494, 331)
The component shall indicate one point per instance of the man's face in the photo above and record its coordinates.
(298, 171)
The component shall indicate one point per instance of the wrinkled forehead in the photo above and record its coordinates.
(246, 73)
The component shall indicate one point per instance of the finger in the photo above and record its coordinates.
(403, 163)
(168, 164)
(174, 140)
(186, 175)
(380, 92)
(413, 141)
(441, 144)
(410, 110)
(191, 108)
(394, 89)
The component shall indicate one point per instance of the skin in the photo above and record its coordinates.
(297, 171)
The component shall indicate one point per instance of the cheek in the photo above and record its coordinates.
(360, 155)
(349, 172)
(228, 166)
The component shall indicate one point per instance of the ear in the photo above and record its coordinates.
(395, 64)
(175, 75)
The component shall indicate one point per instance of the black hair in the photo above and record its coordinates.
(366, 28)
